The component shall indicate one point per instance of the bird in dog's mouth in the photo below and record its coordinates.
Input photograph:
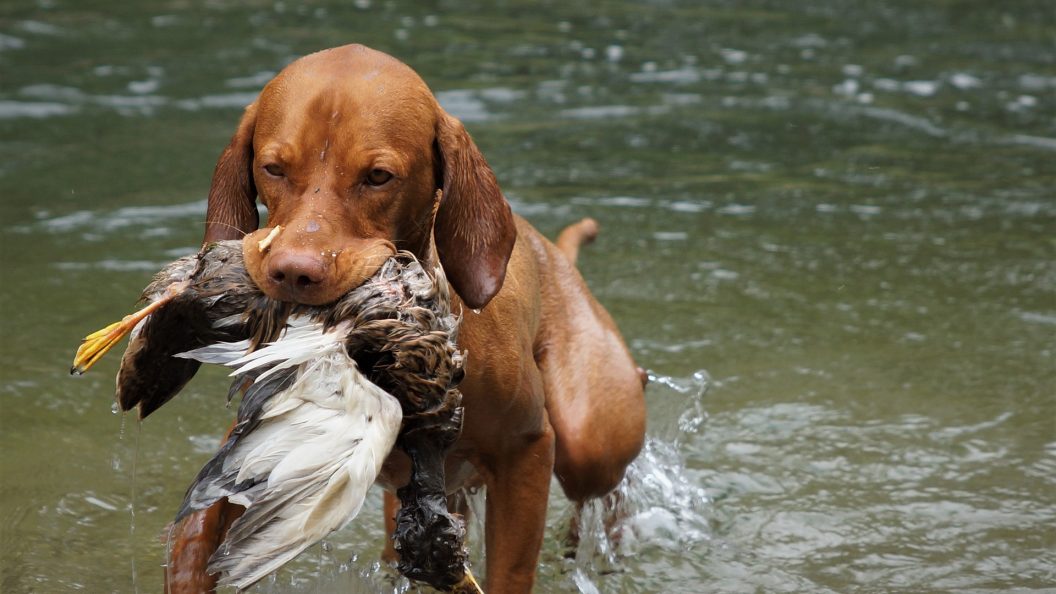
(328, 391)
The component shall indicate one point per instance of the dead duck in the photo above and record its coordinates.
(328, 391)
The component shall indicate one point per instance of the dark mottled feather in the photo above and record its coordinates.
(217, 287)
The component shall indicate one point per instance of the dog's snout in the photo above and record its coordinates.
(297, 272)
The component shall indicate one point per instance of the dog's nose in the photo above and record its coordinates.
(297, 273)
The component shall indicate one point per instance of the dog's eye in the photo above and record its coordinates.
(273, 170)
(378, 177)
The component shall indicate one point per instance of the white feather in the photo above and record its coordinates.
(317, 450)
(221, 353)
(301, 342)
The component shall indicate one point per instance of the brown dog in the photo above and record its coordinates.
(347, 148)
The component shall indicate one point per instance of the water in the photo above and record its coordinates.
(841, 214)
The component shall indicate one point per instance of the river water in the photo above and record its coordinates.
(827, 229)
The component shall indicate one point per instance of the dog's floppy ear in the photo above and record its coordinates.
(232, 209)
(474, 229)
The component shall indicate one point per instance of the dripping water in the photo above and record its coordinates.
(117, 465)
(168, 554)
(132, 505)
(115, 457)
(325, 560)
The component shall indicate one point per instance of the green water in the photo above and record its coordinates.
(840, 217)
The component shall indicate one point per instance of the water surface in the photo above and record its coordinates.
(827, 231)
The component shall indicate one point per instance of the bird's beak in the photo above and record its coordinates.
(98, 343)
(468, 585)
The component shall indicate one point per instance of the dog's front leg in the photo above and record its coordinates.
(518, 488)
(193, 540)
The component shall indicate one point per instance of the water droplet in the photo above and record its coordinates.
(115, 408)
(476, 310)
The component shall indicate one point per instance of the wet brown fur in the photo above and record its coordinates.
(550, 386)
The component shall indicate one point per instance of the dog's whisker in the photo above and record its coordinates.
(209, 222)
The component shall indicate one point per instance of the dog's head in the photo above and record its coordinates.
(348, 149)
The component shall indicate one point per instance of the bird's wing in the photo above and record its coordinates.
(320, 458)
(312, 435)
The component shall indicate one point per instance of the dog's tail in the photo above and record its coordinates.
(575, 235)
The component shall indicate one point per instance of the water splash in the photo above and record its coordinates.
(694, 416)
(660, 503)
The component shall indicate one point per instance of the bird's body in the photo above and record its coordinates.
(328, 390)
